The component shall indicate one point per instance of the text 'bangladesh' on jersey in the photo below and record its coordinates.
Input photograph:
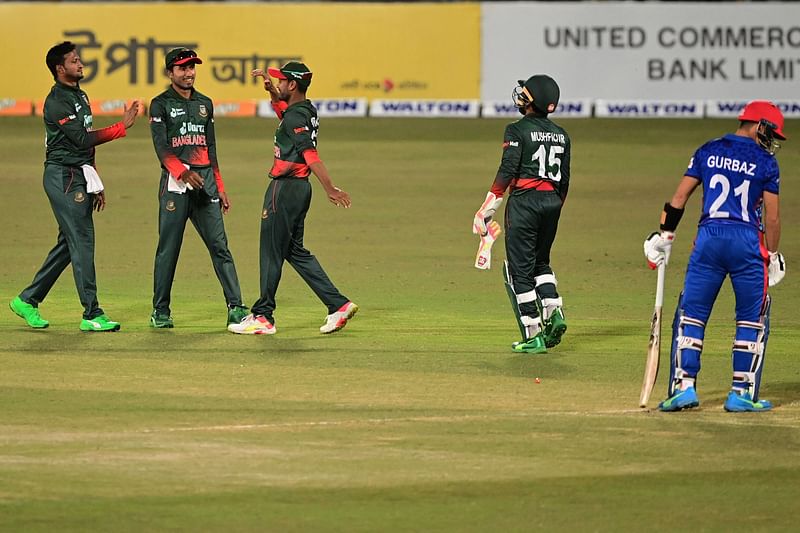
(536, 155)
(183, 132)
(296, 134)
(735, 171)
(70, 138)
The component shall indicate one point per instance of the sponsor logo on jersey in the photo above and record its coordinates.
(176, 112)
(203, 111)
(155, 119)
(78, 107)
(301, 129)
(66, 119)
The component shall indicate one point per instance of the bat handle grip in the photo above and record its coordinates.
(660, 285)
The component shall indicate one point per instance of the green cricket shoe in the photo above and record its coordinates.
(532, 345)
(160, 320)
(28, 312)
(99, 323)
(554, 329)
(236, 314)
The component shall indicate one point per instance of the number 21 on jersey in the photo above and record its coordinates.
(721, 182)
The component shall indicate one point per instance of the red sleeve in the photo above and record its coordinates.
(311, 156)
(499, 186)
(279, 108)
(218, 178)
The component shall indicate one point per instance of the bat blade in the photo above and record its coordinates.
(653, 357)
(654, 346)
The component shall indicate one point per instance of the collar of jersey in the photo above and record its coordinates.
(175, 94)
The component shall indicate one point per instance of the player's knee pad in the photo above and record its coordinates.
(528, 303)
(687, 344)
(546, 285)
(550, 306)
(749, 349)
(532, 326)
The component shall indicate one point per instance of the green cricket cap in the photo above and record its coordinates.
(181, 56)
(293, 70)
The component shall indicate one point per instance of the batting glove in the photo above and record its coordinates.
(776, 269)
(485, 213)
(657, 247)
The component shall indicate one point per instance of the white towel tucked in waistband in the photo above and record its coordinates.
(173, 185)
(93, 182)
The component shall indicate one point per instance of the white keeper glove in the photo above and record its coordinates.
(485, 213)
(776, 269)
(657, 247)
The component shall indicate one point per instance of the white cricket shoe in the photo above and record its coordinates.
(336, 321)
(253, 325)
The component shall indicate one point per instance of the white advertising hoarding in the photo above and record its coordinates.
(648, 51)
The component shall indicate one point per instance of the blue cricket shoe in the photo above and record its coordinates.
(739, 403)
(685, 399)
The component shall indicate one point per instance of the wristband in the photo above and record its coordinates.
(670, 217)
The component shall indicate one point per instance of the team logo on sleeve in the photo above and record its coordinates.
(203, 111)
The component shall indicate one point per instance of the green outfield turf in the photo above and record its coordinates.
(417, 416)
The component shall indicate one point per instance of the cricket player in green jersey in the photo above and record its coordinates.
(74, 189)
(191, 188)
(535, 169)
(287, 201)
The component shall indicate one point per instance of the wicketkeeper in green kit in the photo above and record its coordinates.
(535, 166)
(287, 201)
(74, 189)
(191, 188)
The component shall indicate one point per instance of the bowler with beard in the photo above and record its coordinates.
(74, 190)
(191, 186)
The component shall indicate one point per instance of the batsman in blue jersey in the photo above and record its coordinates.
(738, 237)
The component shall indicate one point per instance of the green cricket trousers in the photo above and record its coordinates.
(286, 204)
(531, 222)
(205, 212)
(72, 206)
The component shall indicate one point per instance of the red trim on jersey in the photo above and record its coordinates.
(279, 108)
(287, 169)
(532, 183)
(762, 245)
(173, 165)
(218, 178)
(311, 156)
(115, 131)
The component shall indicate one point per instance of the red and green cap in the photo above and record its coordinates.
(181, 56)
(293, 70)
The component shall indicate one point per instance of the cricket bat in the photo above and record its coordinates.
(483, 261)
(654, 347)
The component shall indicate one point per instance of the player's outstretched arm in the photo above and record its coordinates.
(336, 196)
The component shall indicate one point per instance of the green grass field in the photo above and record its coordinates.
(417, 416)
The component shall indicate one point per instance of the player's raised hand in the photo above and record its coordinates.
(130, 114)
(339, 198)
(268, 86)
